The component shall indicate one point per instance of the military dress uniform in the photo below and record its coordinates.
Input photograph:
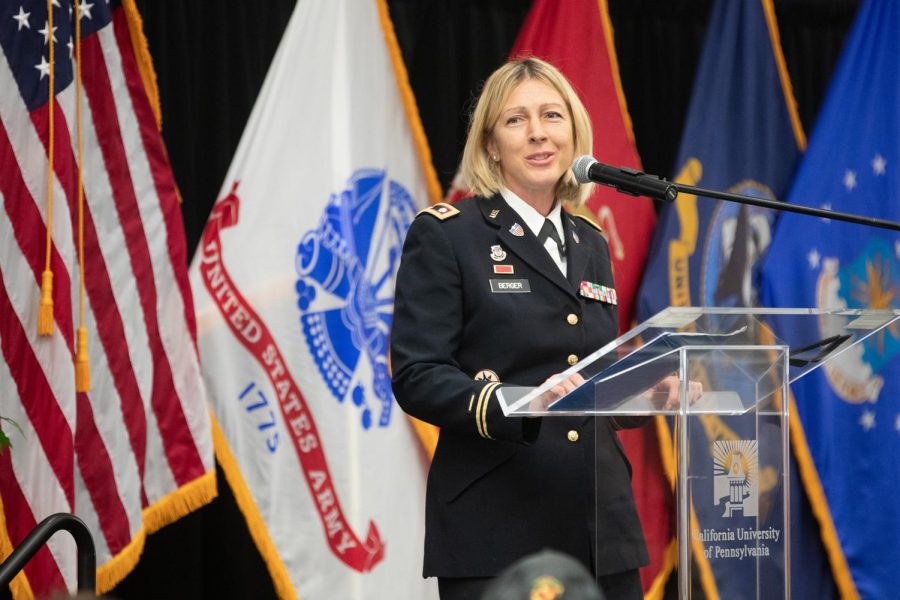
(480, 304)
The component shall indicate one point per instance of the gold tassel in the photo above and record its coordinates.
(82, 365)
(45, 312)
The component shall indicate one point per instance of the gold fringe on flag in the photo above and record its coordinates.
(428, 434)
(256, 525)
(19, 586)
(670, 560)
(786, 87)
(166, 510)
(145, 65)
(144, 60)
(110, 574)
(409, 103)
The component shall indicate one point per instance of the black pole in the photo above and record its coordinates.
(87, 558)
(637, 183)
(796, 208)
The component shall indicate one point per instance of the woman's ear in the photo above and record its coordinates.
(491, 148)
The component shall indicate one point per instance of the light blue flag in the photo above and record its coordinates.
(740, 136)
(850, 409)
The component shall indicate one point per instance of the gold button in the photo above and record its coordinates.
(572, 435)
(572, 319)
(572, 359)
(486, 375)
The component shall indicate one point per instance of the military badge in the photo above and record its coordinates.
(517, 230)
(497, 253)
(503, 269)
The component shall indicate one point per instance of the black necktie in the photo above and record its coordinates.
(549, 231)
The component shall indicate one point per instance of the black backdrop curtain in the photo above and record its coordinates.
(211, 57)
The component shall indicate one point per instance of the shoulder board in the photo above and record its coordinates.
(440, 211)
(589, 222)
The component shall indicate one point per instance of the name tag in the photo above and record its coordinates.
(510, 286)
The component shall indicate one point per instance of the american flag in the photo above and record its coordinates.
(134, 452)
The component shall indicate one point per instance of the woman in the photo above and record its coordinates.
(488, 295)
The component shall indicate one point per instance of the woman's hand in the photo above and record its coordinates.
(559, 389)
(671, 386)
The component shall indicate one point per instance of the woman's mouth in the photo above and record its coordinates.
(540, 157)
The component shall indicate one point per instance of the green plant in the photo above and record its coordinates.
(5, 442)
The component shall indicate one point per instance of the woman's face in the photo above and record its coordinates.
(533, 141)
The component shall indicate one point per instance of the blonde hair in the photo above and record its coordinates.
(482, 174)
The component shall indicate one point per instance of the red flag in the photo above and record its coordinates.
(134, 451)
(577, 38)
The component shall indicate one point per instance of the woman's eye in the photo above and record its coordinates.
(513, 120)
(552, 114)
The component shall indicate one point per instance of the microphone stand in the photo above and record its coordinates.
(777, 205)
(637, 183)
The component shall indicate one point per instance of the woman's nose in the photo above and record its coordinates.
(537, 133)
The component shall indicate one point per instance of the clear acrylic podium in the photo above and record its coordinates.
(731, 445)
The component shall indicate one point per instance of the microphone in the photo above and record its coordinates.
(625, 180)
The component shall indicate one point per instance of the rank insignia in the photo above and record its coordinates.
(497, 253)
(590, 222)
(440, 210)
(595, 291)
(486, 375)
(517, 230)
(494, 213)
(503, 269)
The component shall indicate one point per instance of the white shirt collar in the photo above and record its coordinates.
(533, 219)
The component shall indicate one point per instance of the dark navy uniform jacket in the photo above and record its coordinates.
(500, 488)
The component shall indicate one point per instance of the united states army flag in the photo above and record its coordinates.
(294, 281)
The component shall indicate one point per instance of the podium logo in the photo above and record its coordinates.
(736, 477)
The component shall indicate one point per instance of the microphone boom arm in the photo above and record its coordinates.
(796, 208)
(637, 183)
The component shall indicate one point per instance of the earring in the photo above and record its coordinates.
(495, 158)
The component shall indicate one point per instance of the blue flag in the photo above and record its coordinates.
(739, 136)
(850, 409)
(742, 135)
